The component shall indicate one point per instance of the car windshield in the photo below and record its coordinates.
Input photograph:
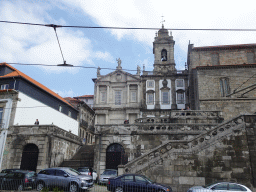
(83, 169)
(30, 174)
(210, 184)
(109, 172)
(4, 171)
(72, 172)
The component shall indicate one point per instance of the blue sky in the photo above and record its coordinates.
(101, 47)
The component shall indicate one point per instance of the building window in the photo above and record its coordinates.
(60, 108)
(150, 99)
(180, 83)
(118, 97)
(180, 98)
(224, 87)
(103, 97)
(215, 59)
(133, 96)
(150, 84)
(164, 55)
(4, 86)
(165, 97)
(250, 57)
(69, 113)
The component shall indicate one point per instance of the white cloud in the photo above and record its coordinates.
(65, 93)
(177, 14)
(36, 44)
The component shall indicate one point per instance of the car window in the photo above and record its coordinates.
(127, 178)
(30, 174)
(50, 172)
(235, 187)
(221, 186)
(60, 173)
(4, 171)
(9, 175)
(109, 172)
(140, 179)
(18, 175)
(72, 172)
(83, 170)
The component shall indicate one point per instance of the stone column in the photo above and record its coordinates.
(107, 118)
(107, 94)
(97, 94)
(138, 94)
(173, 92)
(128, 93)
(157, 99)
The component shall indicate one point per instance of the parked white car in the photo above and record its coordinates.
(88, 171)
(220, 186)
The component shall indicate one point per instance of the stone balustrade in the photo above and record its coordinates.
(198, 143)
(195, 113)
(47, 129)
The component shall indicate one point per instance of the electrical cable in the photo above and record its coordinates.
(126, 28)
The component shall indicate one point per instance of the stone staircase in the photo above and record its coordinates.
(83, 158)
(158, 155)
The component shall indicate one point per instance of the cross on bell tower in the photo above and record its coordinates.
(163, 50)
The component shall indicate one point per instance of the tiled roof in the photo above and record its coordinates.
(238, 46)
(17, 73)
(85, 96)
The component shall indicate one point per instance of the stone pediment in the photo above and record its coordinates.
(116, 130)
(119, 76)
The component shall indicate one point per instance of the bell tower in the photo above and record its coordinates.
(163, 50)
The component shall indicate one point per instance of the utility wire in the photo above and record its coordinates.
(59, 45)
(132, 28)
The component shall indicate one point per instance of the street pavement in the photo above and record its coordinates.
(98, 188)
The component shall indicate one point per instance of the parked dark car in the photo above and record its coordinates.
(5, 171)
(134, 182)
(63, 177)
(18, 180)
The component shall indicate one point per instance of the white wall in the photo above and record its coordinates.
(29, 109)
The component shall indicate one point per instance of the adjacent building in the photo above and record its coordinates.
(223, 78)
(85, 119)
(22, 101)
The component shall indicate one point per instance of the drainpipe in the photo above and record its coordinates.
(4, 129)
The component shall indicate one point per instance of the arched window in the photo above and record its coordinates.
(164, 55)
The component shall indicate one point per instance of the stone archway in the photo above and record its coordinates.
(115, 155)
(29, 157)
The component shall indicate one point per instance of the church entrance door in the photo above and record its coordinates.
(115, 156)
(29, 157)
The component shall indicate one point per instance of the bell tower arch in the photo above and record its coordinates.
(163, 50)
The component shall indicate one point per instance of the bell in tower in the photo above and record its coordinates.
(163, 50)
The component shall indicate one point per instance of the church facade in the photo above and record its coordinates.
(141, 127)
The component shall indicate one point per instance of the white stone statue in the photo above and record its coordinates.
(119, 63)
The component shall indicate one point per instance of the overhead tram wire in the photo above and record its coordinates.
(79, 66)
(127, 28)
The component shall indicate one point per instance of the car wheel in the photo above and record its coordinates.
(73, 187)
(119, 189)
(39, 186)
(20, 187)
